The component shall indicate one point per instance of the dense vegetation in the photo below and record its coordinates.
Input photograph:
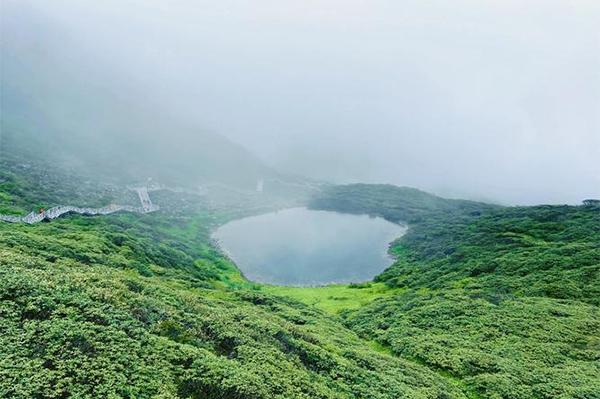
(396, 204)
(503, 299)
(144, 306)
(482, 302)
(76, 322)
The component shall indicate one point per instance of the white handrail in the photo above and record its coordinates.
(57, 211)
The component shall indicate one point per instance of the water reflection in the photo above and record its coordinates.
(305, 247)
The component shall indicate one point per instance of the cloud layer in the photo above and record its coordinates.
(496, 100)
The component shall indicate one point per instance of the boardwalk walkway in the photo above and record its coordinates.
(35, 217)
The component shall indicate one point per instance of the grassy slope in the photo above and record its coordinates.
(143, 306)
(505, 300)
(334, 299)
(71, 329)
(471, 308)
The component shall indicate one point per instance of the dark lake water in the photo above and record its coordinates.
(305, 247)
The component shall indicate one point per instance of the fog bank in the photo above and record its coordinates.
(494, 100)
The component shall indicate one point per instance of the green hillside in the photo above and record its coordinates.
(143, 306)
(483, 302)
(504, 300)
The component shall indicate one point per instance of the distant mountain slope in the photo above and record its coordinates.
(62, 102)
(396, 204)
(134, 149)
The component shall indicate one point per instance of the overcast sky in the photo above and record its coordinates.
(495, 100)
